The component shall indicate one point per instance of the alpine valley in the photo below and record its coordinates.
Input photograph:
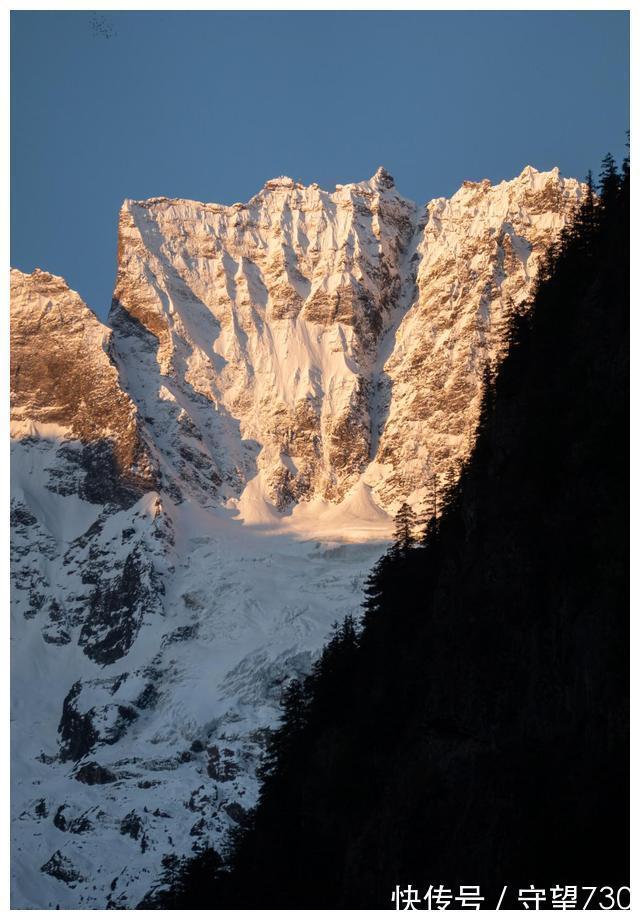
(200, 488)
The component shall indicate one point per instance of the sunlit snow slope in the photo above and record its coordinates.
(200, 488)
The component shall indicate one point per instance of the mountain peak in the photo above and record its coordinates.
(40, 290)
(383, 178)
(282, 182)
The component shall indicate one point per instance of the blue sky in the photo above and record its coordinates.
(210, 105)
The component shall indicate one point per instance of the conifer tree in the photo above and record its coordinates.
(450, 482)
(294, 710)
(626, 167)
(585, 224)
(405, 523)
(429, 524)
(609, 184)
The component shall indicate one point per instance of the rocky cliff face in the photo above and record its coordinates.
(199, 489)
(475, 260)
(270, 313)
(339, 336)
(64, 385)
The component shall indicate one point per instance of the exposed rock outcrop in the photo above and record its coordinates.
(344, 333)
(64, 383)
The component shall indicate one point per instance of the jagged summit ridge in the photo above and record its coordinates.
(381, 179)
(282, 311)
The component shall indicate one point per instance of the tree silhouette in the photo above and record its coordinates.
(609, 182)
(404, 529)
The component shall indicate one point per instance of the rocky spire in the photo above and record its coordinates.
(382, 178)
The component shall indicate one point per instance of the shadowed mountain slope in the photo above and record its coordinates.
(475, 731)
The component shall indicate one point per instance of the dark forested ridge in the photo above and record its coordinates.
(474, 730)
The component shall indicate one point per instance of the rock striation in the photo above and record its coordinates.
(340, 335)
(65, 385)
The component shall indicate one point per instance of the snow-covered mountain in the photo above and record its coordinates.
(200, 488)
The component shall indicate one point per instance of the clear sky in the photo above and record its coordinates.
(209, 106)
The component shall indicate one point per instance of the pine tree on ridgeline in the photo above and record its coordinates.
(585, 225)
(626, 167)
(609, 183)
